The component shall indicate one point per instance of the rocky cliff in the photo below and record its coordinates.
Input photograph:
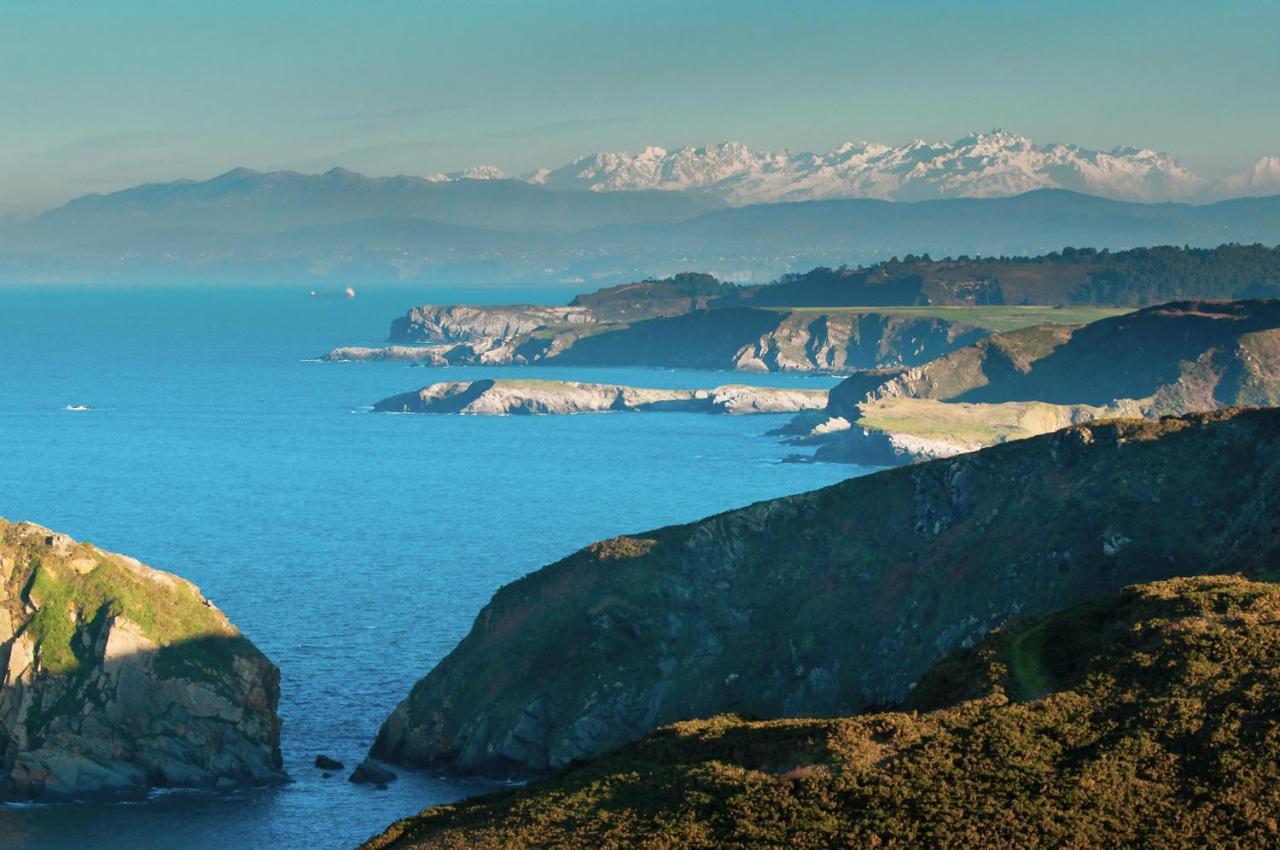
(458, 323)
(742, 339)
(1148, 720)
(120, 678)
(1185, 355)
(506, 397)
(830, 601)
(1171, 359)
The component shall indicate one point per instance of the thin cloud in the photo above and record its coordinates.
(384, 150)
(557, 128)
(405, 112)
(108, 143)
(357, 124)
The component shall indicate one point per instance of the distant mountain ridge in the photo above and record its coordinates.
(979, 165)
(285, 226)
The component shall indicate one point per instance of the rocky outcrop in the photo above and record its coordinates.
(458, 323)
(461, 354)
(504, 398)
(119, 678)
(369, 772)
(448, 324)
(830, 601)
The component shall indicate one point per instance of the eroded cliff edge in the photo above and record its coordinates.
(119, 678)
(830, 601)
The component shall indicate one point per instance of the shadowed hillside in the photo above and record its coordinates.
(827, 602)
(1174, 358)
(1149, 719)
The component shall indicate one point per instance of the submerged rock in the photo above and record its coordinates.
(369, 772)
(119, 678)
(325, 763)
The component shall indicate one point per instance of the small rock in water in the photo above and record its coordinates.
(325, 763)
(370, 773)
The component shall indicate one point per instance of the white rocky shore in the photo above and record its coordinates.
(505, 398)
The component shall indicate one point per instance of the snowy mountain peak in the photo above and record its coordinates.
(993, 163)
(475, 172)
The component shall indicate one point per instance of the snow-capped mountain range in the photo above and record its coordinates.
(979, 165)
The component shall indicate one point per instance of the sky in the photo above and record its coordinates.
(98, 95)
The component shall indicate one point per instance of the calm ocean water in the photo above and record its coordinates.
(353, 548)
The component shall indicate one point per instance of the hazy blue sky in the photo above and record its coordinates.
(98, 95)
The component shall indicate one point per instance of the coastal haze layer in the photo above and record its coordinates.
(250, 226)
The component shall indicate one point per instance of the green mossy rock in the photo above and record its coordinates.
(119, 678)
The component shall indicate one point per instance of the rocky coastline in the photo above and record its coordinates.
(519, 397)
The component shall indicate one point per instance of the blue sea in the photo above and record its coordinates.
(353, 548)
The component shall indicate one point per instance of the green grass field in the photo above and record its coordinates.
(1028, 678)
(992, 318)
(965, 422)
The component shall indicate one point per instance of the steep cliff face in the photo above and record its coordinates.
(457, 323)
(830, 601)
(1171, 359)
(506, 398)
(120, 678)
(1186, 355)
(753, 340)
(742, 339)
(1147, 720)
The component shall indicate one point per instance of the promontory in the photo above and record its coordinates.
(119, 678)
(832, 601)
